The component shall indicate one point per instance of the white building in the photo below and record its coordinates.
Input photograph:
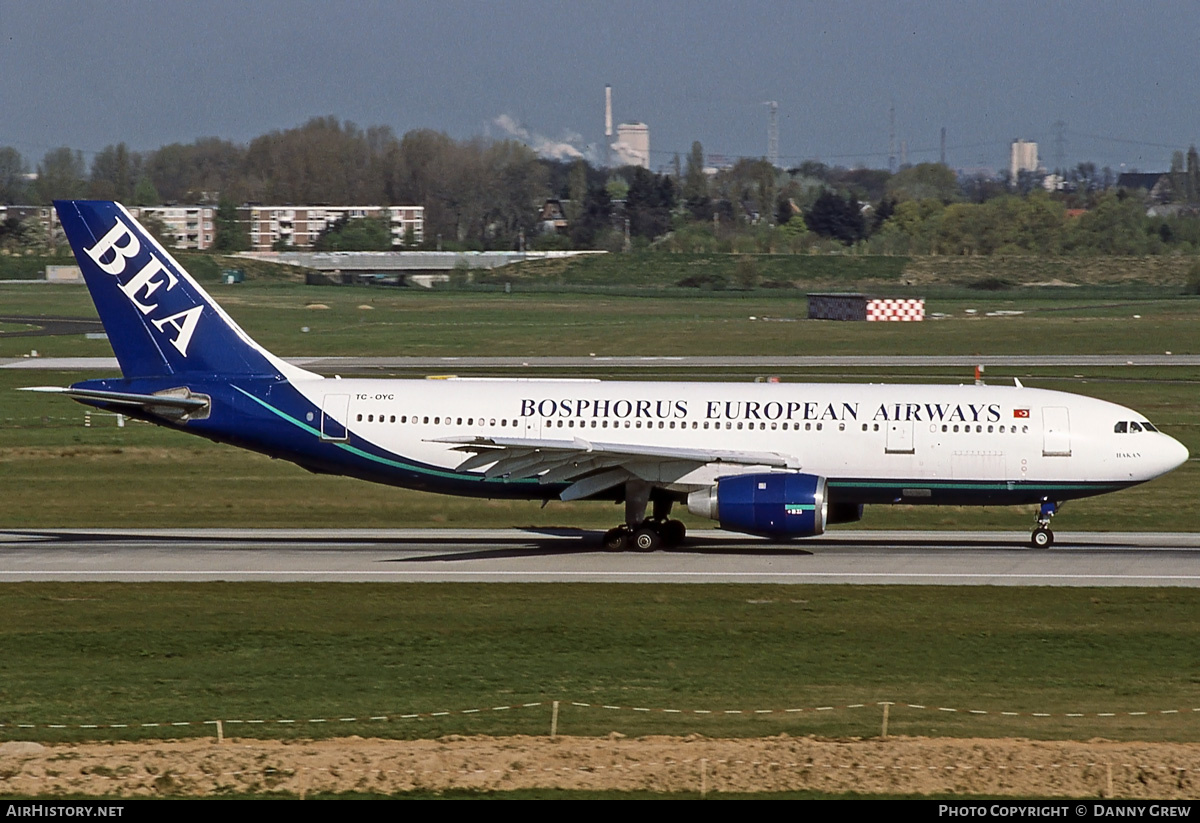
(299, 226)
(193, 227)
(633, 145)
(1023, 156)
(187, 227)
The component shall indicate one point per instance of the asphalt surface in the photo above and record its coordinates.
(504, 555)
(445, 365)
(49, 326)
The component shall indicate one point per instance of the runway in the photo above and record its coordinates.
(565, 555)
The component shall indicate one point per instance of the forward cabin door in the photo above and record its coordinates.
(1056, 431)
(335, 414)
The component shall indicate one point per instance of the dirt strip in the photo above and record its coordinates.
(668, 764)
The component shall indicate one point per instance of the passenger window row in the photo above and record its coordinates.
(436, 421)
(695, 424)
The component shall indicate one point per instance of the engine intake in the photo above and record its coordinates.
(775, 504)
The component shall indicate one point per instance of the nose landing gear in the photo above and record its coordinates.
(1042, 537)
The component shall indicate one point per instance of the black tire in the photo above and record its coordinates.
(647, 540)
(616, 540)
(1042, 538)
(673, 532)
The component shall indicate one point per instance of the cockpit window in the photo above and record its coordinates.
(1121, 428)
(1134, 427)
(1148, 427)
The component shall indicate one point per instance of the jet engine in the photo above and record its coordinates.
(774, 504)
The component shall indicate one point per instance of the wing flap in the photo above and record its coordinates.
(592, 467)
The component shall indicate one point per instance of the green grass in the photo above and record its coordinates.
(204, 267)
(413, 322)
(78, 653)
(848, 272)
(30, 267)
(657, 270)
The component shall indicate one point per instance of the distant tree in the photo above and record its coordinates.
(144, 193)
(513, 190)
(912, 228)
(28, 235)
(924, 181)
(648, 203)
(695, 185)
(231, 235)
(785, 210)
(836, 217)
(196, 172)
(1115, 225)
(813, 169)
(577, 187)
(765, 189)
(355, 234)
(1193, 175)
(115, 171)
(979, 188)
(60, 176)
(12, 176)
(594, 219)
(10, 233)
(885, 209)
(617, 187)
(323, 161)
(872, 184)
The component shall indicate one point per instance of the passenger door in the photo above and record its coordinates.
(1056, 431)
(335, 414)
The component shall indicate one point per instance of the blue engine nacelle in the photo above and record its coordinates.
(775, 504)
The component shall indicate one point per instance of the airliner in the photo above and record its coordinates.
(778, 460)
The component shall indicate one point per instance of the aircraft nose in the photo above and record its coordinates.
(1170, 454)
(1177, 453)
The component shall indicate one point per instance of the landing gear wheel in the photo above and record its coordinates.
(673, 532)
(1042, 538)
(616, 540)
(647, 540)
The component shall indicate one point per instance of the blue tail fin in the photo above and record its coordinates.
(159, 320)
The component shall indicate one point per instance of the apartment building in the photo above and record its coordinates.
(299, 226)
(193, 227)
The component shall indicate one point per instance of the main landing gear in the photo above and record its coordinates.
(1042, 537)
(641, 533)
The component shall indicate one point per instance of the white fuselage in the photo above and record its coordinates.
(838, 431)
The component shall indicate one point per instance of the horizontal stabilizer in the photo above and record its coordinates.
(173, 403)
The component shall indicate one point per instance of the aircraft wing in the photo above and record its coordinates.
(593, 467)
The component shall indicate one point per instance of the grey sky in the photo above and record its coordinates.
(1121, 75)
